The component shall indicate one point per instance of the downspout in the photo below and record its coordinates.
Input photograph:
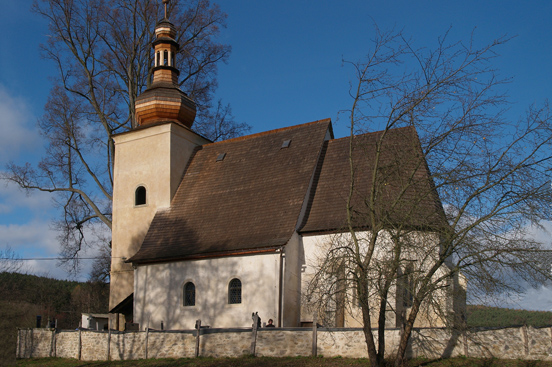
(280, 289)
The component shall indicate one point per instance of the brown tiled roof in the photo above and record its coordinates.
(249, 201)
(404, 190)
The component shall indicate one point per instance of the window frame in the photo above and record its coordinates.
(235, 289)
(137, 193)
(186, 301)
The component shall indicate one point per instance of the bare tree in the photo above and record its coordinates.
(14, 313)
(443, 186)
(101, 265)
(102, 50)
(10, 262)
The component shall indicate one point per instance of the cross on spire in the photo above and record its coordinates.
(166, 2)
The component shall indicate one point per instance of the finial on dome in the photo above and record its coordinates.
(166, 2)
(163, 100)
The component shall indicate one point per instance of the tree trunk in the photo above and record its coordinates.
(400, 357)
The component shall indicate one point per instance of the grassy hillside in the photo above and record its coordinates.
(484, 316)
(23, 297)
(54, 299)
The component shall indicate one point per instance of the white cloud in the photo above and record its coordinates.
(531, 298)
(542, 234)
(17, 125)
(539, 299)
(36, 240)
(45, 268)
(13, 198)
(32, 240)
(535, 299)
(35, 236)
(25, 226)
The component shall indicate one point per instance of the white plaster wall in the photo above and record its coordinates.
(158, 294)
(90, 322)
(154, 157)
(422, 246)
(292, 281)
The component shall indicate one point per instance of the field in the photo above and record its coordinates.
(278, 362)
(484, 316)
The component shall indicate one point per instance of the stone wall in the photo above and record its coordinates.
(509, 343)
(284, 342)
(33, 343)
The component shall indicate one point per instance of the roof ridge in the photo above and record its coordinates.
(251, 136)
(394, 129)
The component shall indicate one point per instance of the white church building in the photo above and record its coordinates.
(216, 231)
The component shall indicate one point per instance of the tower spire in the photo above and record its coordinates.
(165, 2)
(163, 100)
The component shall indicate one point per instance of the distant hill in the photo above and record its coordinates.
(24, 296)
(53, 299)
(485, 316)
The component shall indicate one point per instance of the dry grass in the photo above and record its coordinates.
(278, 362)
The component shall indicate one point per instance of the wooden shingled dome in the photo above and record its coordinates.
(163, 100)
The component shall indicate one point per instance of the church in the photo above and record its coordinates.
(219, 230)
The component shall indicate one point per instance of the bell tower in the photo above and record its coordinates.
(149, 163)
(163, 100)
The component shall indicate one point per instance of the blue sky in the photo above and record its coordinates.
(285, 68)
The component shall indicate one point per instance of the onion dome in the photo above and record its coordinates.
(163, 100)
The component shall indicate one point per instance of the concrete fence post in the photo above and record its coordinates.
(550, 329)
(53, 344)
(79, 351)
(18, 346)
(314, 335)
(146, 347)
(525, 340)
(254, 333)
(198, 329)
(32, 344)
(465, 342)
(108, 344)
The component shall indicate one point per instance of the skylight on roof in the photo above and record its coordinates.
(220, 157)
(286, 143)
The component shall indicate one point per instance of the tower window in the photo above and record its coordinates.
(409, 286)
(158, 60)
(235, 291)
(140, 196)
(189, 294)
(165, 58)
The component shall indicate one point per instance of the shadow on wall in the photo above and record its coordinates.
(159, 287)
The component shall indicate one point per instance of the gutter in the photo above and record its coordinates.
(280, 288)
(205, 256)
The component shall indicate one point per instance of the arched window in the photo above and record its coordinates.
(165, 58)
(140, 196)
(189, 294)
(408, 291)
(234, 291)
(158, 61)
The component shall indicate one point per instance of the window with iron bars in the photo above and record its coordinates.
(189, 294)
(235, 291)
